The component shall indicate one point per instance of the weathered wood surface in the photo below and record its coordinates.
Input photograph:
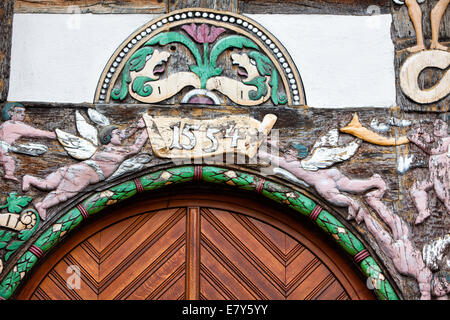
(296, 124)
(404, 36)
(90, 6)
(224, 5)
(6, 18)
(353, 7)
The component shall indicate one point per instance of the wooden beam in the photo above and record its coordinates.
(90, 6)
(6, 18)
(193, 254)
(224, 5)
(343, 7)
(404, 37)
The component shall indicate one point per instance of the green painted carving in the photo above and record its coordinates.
(266, 68)
(339, 232)
(139, 86)
(22, 223)
(174, 37)
(16, 204)
(63, 225)
(135, 63)
(382, 288)
(20, 269)
(206, 63)
(210, 174)
(293, 199)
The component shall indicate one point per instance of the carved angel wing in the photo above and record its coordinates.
(131, 165)
(76, 147)
(98, 118)
(289, 176)
(30, 149)
(324, 157)
(433, 253)
(329, 139)
(86, 130)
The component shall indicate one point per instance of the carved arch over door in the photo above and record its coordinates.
(180, 245)
(299, 202)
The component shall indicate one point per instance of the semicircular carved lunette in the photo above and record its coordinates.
(68, 221)
(201, 56)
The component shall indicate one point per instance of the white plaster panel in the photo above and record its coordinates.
(344, 61)
(59, 58)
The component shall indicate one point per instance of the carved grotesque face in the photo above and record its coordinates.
(202, 64)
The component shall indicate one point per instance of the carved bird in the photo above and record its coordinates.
(327, 152)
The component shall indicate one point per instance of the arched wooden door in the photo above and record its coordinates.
(196, 246)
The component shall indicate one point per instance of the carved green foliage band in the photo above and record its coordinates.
(245, 181)
(13, 240)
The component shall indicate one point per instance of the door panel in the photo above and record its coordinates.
(195, 250)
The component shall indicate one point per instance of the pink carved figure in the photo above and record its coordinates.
(11, 131)
(441, 285)
(436, 16)
(68, 181)
(437, 147)
(400, 249)
(329, 183)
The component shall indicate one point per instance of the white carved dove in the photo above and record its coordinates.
(327, 152)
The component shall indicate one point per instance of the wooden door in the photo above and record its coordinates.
(196, 247)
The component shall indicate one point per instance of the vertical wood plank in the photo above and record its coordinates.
(6, 18)
(193, 254)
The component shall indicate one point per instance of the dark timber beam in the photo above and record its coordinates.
(91, 6)
(224, 5)
(344, 7)
(6, 18)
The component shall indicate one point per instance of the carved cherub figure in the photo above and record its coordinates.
(68, 181)
(437, 147)
(416, 17)
(14, 129)
(399, 248)
(329, 183)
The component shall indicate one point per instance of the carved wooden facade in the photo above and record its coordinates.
(212, 97)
